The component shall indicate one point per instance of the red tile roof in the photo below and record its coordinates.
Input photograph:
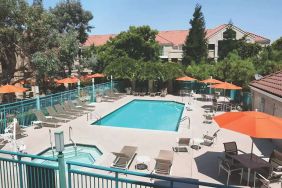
(271, 83)
(98, 40)
(173, 37)
(258, 38)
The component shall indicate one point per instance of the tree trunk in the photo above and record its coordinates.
(150, 85)
(170, 86)
(8, 63)
(133, 84)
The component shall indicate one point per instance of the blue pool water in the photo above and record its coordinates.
(145, 114)
(83, 154)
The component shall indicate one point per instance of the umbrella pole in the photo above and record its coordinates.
(252, 149)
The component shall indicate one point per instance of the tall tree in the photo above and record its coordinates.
(195, 47)
(70, 15)
(138, 43)
(68, 50)
(229, 42)
(12, 21)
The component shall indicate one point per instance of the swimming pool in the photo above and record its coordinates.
(86, 154)
(145, 114)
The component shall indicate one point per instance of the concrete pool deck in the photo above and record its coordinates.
(198, 164)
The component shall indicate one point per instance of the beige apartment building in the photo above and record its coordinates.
(171, 42)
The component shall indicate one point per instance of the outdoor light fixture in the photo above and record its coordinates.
(59, 141)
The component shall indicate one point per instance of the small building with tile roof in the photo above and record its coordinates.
(267, 94)
(171, 42)
(267, 97)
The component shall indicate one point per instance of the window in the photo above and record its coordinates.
(211, 46)
(161, 50)
(175, 47)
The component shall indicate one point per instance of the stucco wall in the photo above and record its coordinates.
(272, 106)
(170, 53)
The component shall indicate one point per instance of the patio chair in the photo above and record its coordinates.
(163, 92)
(208, 118)
(128, 91)
(68, 107)
(229, 168)
(268, 176)
(275, 160)
(153, 94)
(231, 149)
(80, 109)
(163, 162)
(135, 93)
(117, 93)
(210, 140)
(19, 131)
(51, 111)
(40, 117)
(7, 135)
(142, 94)
(84, 105)
(111, 94)
(5, 138)
(59, 108)
(183, 144)
(204, 97)
(124, 158)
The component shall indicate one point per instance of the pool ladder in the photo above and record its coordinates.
(71, 140)
(186, 118)
(51, 143)
(96, 115)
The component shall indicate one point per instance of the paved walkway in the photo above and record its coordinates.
(199, 164)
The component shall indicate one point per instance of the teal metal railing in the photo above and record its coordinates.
(84, 175)
(22, 110)
(18, 170)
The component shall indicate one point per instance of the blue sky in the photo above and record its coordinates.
(263, 17)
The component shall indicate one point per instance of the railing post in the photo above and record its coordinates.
(5, 118)
(78, 88)
(62, 170)
(93, 90)
(37, 102)
(116, 179)
(111, 83)
(51, 100)
(171, 184)
(69, 176)
(20, 172)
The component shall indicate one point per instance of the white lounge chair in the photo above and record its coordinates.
(124, 157)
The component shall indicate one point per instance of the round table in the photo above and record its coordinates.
(142, 162)
(196, 143)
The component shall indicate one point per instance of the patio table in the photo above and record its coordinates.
(250, 163)
(142, 162)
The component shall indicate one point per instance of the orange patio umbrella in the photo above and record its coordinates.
(68, 80)
(226, 85)
(12, 89)
(251, 123)
(96, 75)
(185, 78)
(211, 81)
